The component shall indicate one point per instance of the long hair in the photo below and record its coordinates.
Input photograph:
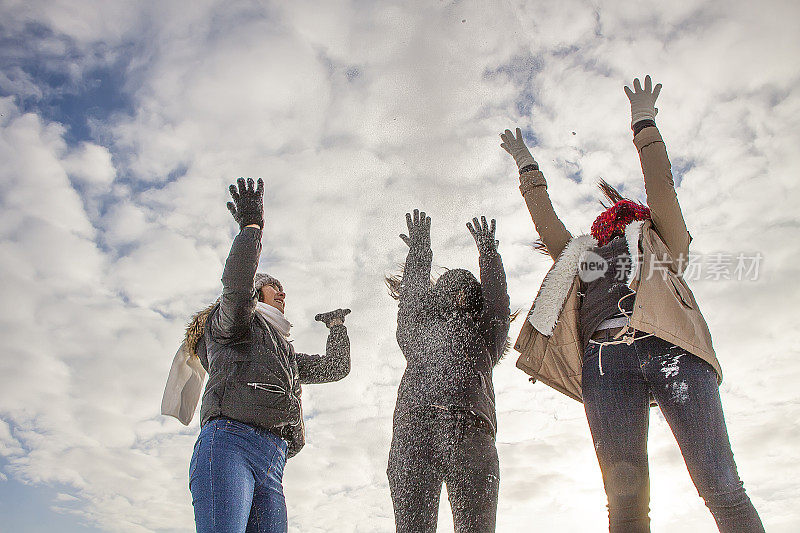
(393, 282)
(612, 194)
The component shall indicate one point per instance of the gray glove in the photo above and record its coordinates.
(419, 231)
(643, 102)
(484, 235)
(516, 147)
(247, 206)
(332, 318)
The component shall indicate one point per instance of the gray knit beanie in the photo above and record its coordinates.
(262, 279)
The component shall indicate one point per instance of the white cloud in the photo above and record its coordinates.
(355, 113)
(91, 164)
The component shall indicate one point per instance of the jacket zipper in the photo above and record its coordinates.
(268, 387)
(277, 389)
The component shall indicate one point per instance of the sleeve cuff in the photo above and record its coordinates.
(530, 180)
(251, 232)
(642, 124)
(648, 135)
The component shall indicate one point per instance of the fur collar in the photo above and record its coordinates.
(555, 287)
(194, 330)
(633, 233)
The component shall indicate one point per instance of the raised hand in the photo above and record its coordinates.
(332, 318)
(483, 234)
(419, 231)
(643, 101)
(247, 206)
(516, 147)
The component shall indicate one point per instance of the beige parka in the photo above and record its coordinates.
(549, 342)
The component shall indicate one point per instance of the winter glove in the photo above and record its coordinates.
(248, 203)
(332, 318)
(484, 235)
(419, 232)
(643, 102)
(516, 147)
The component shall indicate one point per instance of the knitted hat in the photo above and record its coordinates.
(611, 222)
(262, 279)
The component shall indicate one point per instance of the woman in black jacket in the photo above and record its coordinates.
(452, 334)
(251, 415)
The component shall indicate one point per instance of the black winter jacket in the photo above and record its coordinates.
(450, 357)
(254, 374)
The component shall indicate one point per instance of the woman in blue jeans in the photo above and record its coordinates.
(616, 326)
(617, 407)
(251, 414)
(236, 478)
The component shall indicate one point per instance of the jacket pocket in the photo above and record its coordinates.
(680, 292)
(254, 386)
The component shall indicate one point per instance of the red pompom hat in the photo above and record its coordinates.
(611, 222)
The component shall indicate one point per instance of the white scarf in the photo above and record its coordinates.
(274, 317)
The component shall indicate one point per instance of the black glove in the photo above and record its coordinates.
(332, 318)
(484, 235)
(248, 203)
(419, 231)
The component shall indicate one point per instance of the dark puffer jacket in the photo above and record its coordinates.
(449, 355)
(254, 373)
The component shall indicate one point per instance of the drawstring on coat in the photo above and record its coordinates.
(627, 333)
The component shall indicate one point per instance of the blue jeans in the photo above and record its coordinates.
(617, 404)
(236, 479)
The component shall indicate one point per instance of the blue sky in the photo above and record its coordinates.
(121, 125)
(27, 508)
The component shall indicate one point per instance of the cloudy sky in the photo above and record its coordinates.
(122, 123)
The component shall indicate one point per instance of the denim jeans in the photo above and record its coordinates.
(617, 404)
(236, 479)
(432, 447)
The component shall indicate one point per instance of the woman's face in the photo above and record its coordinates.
(273, 295)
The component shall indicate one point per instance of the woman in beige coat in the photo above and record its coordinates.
(615, 325)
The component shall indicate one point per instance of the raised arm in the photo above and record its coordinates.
(335, 365)
(416, 280)
(658, 183)
(231, 320)
(533, 187)
(495, 314)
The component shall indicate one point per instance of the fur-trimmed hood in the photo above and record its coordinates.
(196, 326)
(555, 287)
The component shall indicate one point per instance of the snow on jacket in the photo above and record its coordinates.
(254, 372)
(450, 357)
(549, 341)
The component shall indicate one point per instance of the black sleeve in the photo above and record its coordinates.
(495, 315)
(231, 319)
(642, 124)
(334, 366)
(414, 287)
